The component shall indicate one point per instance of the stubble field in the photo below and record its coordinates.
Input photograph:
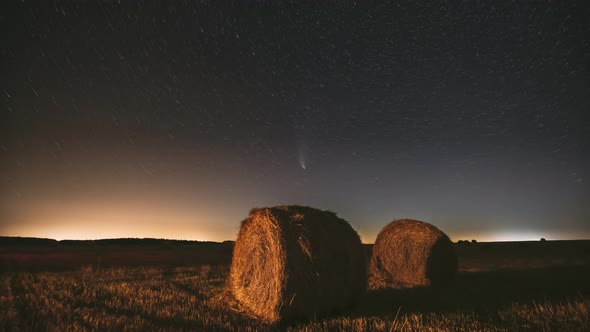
(501, 286)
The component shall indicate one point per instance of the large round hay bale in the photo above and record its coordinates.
(296, 262)
(411, 253)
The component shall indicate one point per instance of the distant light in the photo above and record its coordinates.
(516, 236)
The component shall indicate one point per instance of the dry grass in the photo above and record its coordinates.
(494, 291)
(195, 299)
(295, 262)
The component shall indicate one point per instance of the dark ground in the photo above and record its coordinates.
(537, 276)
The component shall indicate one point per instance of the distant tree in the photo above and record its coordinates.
(543, 239)
(474, 241)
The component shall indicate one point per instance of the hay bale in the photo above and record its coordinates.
(296, 262)
(411, 253)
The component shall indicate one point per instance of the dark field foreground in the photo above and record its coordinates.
(501, 286)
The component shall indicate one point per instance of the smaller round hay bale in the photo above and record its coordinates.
(410, 253)
(296, 262)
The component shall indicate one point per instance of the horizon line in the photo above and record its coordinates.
(228, 240)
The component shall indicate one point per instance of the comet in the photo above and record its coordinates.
(301, 156)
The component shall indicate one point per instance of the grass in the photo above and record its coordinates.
(195, 298)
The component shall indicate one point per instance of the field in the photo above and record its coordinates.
(146, 286)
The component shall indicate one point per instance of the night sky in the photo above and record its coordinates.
(173, 119)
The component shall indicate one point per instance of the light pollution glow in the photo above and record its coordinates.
(86, 223)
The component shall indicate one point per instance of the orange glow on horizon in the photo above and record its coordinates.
(179, 230)
(88, 221)
(149, 218)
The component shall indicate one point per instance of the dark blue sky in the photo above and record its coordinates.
(174, 119)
